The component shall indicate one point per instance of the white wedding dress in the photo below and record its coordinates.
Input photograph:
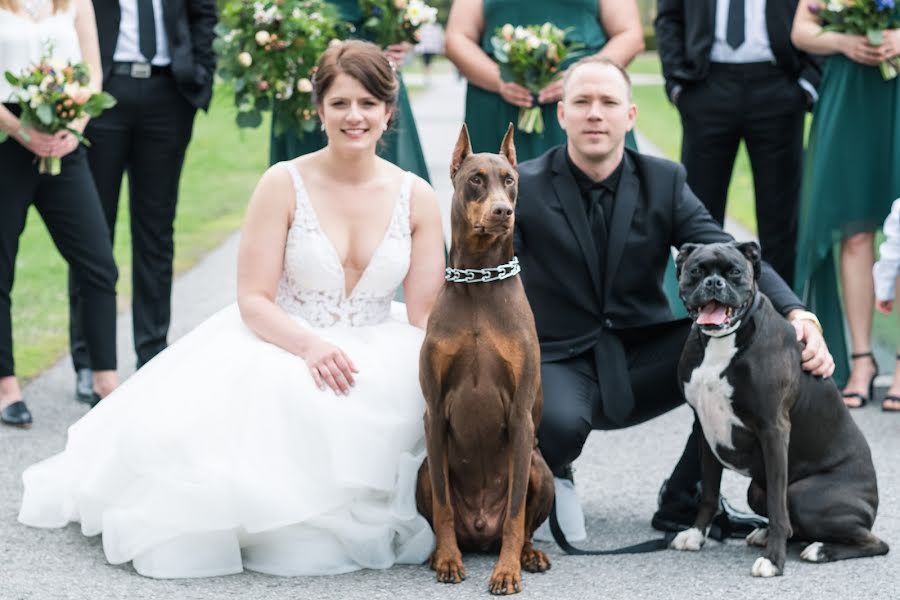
(222, 454)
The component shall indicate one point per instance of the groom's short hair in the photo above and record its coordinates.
(596, 60)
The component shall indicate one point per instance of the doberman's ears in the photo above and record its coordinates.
(508, 147)
(461, 151)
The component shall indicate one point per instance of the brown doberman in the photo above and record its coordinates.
(485, 485)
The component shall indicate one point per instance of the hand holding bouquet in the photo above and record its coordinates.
(389, 22)
(269, 48)
(530, 56)
(54, 96)
(869, 18)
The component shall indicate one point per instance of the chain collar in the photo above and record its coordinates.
(483, 275)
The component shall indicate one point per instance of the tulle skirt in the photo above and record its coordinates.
(222, 454)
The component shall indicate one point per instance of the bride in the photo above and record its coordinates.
(284, 434)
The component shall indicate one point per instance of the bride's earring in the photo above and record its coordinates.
(322, 126)
(384, 127)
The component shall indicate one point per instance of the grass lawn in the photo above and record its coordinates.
(222, 167)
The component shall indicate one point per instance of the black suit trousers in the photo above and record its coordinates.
(145, 134)
(764, 106)
(573, 406)
(69, 207)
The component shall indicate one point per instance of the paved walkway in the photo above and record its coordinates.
(617, 476)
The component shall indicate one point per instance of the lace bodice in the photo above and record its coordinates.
(312, 285)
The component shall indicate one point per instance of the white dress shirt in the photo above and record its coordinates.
(887, 268)
(23, 42)
(127, 48)
(756, 46)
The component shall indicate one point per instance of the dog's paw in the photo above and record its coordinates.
(815, 552)
(534, 561)
(763, 567)
(689, 539)
(758, 537)
(448, 566)
(506, 579)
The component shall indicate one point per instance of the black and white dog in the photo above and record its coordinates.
(763, 416)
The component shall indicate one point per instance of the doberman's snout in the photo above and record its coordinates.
(501, 212)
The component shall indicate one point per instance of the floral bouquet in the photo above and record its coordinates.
(395, 21)
(530, 56)
(52, 96)
(861, 17)
(268, 49)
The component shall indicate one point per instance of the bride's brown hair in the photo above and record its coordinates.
(364, 62)
(16, 5)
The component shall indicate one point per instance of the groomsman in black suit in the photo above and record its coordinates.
(595, 224)
(158, 62)
(733, 74)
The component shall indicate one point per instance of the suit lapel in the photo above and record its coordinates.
(625, 204)
(573, 207)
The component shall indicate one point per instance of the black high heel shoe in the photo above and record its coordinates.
(16, 414)
(863, 399)
(891, 398)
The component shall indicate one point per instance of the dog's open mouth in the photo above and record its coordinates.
(714, 315)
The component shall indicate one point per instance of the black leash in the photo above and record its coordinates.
(641, 548)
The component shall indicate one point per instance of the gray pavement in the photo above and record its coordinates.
(617, 477)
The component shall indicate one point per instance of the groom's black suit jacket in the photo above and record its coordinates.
(189, 29)
(653, 210)
(685, 30)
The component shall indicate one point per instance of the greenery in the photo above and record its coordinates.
(222, 167)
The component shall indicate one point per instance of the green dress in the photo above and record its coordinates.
(400, 144)
(488, 114)
(851, 176)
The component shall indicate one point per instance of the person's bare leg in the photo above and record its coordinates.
(10, 391)
(857, 258)
(105, 382)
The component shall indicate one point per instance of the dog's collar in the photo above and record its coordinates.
(483, 275)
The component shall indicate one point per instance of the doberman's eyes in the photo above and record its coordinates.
(475, 179)
(509, 180)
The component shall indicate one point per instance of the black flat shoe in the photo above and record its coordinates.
(677, 511)
(16, 414)
(863, 399)
(84, 386)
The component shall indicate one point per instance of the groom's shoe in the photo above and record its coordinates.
(677, 510)
(16, 414)
(84, 386)
(568, 510)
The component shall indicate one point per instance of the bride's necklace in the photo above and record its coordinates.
(34, 8)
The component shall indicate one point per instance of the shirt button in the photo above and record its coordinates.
(607, 323)
(571, 351)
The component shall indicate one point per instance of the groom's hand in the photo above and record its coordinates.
(815, 357)
(330, 367)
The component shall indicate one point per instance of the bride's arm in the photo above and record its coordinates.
(260, 264)
(426, 268)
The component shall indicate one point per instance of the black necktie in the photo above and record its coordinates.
(734, 31)
(597, 218)
(146, 29)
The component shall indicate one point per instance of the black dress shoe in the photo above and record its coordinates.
(16, 414)
(84, 386)
(678, 509)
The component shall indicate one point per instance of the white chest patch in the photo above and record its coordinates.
(709, 392)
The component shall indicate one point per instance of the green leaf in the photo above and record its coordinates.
(250, 119)
(12, 79)
(44, 112)
(3, 136)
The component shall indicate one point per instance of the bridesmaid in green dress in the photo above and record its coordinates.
(399, 145)
(851, 176)
(611, 28)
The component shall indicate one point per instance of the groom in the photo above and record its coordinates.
(595, 224)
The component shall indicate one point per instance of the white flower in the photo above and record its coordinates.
(835, 6)
(244, 59)
(414, 13)
(546, 28)
(296, 13)
(533, 42)
(229, 37)
(23, 96)
(262, 37)
(507, 32)
(47, 82)
(520, 33)
(304, 86)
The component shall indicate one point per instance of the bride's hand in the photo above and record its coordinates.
(330, 366)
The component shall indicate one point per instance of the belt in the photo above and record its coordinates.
(753, 69)
(139, 70)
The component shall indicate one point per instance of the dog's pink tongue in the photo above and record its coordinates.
(712, 314)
